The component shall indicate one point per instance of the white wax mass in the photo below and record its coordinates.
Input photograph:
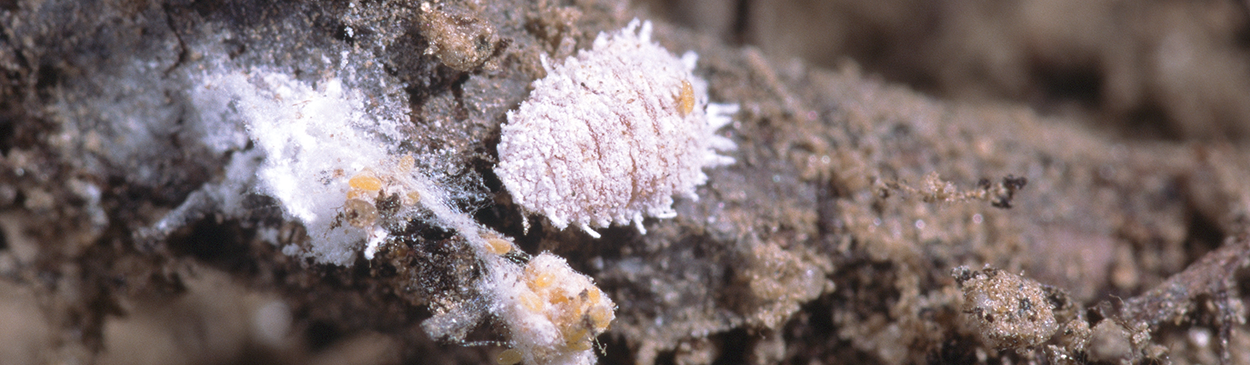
(609, 135)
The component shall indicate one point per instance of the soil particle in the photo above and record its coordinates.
(460, 41)
(1007, 310)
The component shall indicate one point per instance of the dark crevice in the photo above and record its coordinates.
(955, 350)
(742, 22)
(810, 331)
(666, 358)
(1061, 85)
(8, 132)
(1204, 235)
(44, 82)
(614, 351)
(182, 46)
(220, 244)
(1150, 121)
(734, 347)
(321, 335)
(344, 33)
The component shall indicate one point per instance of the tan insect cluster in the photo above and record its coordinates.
(1008, 311)
(372, 195)
(612, 134)
(555, 314)
(498, 246)
(364, 188)
(359, 209)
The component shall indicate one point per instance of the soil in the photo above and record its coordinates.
(1093, 155)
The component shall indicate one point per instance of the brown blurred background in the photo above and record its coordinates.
(1156, 69)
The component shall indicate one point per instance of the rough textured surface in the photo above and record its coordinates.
(1008, 311)
(1146, 69)
(830, 240)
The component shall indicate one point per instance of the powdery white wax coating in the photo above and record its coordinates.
(601, 139)
(305, 133)
(553, 312)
